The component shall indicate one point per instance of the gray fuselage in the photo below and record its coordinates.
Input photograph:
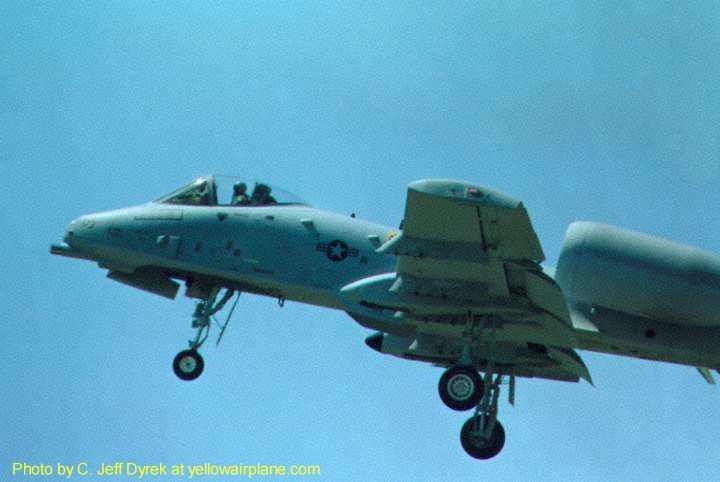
(303, 254)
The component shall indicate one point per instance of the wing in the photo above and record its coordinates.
(462, 217)
(464, 248)
(467, 254)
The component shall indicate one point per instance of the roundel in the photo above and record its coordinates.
(337, 250)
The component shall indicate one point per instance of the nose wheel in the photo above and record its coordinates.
(188, 364)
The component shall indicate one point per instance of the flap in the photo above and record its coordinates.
(570, 361)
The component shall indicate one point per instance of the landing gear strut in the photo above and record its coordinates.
(188, 364)
(482, 436)
(462, 388)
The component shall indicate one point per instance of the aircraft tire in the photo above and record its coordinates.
(461, 387)
(188, 365)
(479, 448)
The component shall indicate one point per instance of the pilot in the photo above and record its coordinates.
(240, 197)
(261, 196)
(200, 195)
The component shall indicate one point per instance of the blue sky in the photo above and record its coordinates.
(604, 111)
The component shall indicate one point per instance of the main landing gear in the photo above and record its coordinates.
(461, 388)
(188, 364)
(482, 436)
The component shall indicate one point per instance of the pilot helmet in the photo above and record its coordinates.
(262, 188)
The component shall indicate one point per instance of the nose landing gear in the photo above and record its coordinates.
(188, 364)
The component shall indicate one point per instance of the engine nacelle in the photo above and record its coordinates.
(643, 275)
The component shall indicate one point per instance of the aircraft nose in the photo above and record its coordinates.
(83, 227)
(92, 236)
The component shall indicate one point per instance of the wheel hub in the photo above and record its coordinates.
(478, 439)
(187, 364)
(475, 441)
(461, 387)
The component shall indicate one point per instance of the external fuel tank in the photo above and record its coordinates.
(630, 272)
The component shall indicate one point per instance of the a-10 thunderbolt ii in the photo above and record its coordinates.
(459, 285)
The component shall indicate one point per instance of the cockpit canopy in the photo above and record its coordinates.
(230, 191)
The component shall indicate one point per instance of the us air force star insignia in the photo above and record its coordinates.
(337, 250)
